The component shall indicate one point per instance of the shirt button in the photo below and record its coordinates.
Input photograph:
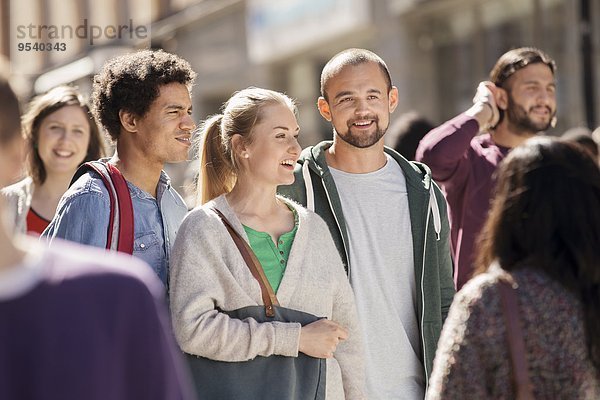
(281, 242)
(281, 261)
(281, 252)
(143, 246)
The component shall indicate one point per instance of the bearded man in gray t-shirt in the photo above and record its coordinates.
(389, 221)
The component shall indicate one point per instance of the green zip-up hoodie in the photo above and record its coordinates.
(315, 188)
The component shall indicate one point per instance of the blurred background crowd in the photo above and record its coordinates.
(437, 50)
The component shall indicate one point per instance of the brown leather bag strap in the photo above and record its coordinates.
(268, 295)
(516, 344)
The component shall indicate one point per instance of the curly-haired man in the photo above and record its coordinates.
(66, 332)
(143, 101)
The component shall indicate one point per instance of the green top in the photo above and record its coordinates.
(273, 257)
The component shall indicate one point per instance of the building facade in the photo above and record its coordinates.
(437, 50)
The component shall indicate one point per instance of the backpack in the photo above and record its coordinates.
(120, 225)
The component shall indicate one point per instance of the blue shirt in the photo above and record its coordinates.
(83, 216)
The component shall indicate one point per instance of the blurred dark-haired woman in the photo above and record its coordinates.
(543, 237)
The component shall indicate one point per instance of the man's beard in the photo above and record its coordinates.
(518, 117)
(362, 140)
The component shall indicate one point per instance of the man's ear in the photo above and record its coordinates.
(393, 99)
(324, 109)
(501, 97)
(128, 121)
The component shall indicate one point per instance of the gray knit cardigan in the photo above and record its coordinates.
(208, 273)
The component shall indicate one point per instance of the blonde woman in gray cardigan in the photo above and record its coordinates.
(247, 152)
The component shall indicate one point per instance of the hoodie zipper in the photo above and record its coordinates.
(423, 299)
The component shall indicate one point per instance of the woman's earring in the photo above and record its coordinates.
(246, 155)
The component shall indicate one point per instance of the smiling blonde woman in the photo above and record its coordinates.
(217, 305)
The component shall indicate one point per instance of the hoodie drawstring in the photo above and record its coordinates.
(435, 210)
(310, 195)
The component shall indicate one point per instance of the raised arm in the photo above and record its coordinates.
(444, 148)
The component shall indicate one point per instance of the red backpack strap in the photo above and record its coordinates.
(120, 235)
(126, 223)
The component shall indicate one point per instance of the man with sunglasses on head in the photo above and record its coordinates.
(518, 102)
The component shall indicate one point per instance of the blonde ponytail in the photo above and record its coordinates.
(218, 164)
(217, 175)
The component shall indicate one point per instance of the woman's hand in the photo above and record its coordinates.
(320, 338)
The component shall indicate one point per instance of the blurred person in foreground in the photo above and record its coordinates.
(388, 220)
(518, 102)
(143, 101)
(542, 236)
(216, 304)
(73, 324)
(61, 135)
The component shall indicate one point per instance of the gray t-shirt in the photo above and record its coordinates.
(382, 274)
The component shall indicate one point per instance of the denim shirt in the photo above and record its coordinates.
(83, 215)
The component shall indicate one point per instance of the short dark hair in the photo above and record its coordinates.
(545, 216)
(516, 59)
(351, 57)
(405, 133)
(10, 112)
(132, 82)
(42, 106)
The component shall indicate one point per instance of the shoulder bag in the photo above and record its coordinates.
(273, 377)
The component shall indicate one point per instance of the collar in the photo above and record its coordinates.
(164, 184)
